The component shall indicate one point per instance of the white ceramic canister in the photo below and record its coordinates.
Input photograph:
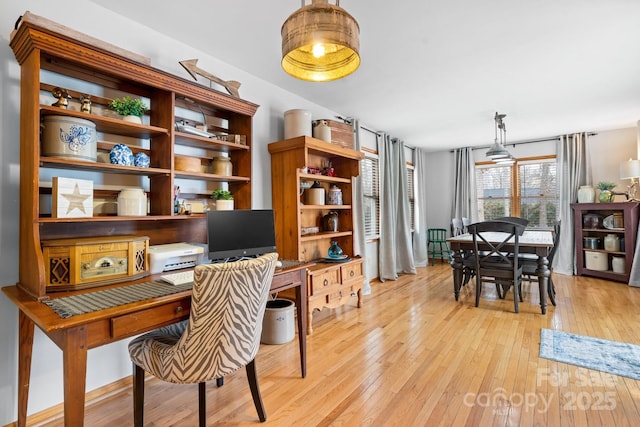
(618, 264)
(297, 123)
(69, 138)
(322, 130)
(334, 197)
(611, 243)
(132, 202)
(586, 194)
(314, 195)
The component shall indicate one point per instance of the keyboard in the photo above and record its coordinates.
(179, 278)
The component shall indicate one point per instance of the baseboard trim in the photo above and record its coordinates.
(56, 412)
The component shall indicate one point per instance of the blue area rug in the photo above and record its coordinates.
(593, 353)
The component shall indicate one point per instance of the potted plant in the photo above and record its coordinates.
(606, 196)
(132, 109)
(224, 199)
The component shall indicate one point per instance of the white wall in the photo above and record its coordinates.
(607, 149)
(109, 363)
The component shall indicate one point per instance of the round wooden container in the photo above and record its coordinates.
(188, 164)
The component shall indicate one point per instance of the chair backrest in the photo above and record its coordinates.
(456, 227)
(436, 235)
(556, 242)
(466, 222)
(516, 219)
(496, 256)
(225, 323)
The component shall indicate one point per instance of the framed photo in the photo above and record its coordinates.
(71, 198)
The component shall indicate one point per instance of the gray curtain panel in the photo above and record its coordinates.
(395, 254)
(572, 173)
(464, 185)
(359, 243)
(420, 252)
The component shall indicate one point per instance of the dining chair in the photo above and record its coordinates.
(437, 246)
(530, 265)
(493, 263)
(516, 219)
(221, 335)
(456, 227)
(466, 222)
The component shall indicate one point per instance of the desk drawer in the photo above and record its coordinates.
(151, 318)
(324, 281)
(287, 280)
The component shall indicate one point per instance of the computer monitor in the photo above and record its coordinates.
(240, 233)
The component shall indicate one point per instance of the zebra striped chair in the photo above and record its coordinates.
(221, 335)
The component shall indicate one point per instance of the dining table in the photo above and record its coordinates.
(537, 242)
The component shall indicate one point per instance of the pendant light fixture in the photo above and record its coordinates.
(320, 42)
(497, 152)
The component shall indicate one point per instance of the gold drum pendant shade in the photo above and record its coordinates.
(320, 42)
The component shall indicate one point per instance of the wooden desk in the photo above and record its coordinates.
(531, 242)
(77, 334)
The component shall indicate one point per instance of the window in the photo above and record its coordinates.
(527, 189)
(411, 195)
(371, 195)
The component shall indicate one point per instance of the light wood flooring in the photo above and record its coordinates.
(413, 356)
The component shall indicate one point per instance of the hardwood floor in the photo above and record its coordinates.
(412, 356)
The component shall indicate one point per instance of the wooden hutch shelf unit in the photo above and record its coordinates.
(328, 284)
(630, 215)
(45, 57)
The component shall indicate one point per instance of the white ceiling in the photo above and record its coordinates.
(434, 73)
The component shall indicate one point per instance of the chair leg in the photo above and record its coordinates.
(138, 396)
(255, 390)
(516, 295)
(220, 381)
(202, 404)
(551, 291)
(478, 290)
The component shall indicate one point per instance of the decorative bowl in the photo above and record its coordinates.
(121, 155)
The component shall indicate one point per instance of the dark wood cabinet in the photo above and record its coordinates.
(593, 223)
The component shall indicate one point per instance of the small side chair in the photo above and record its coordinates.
(437, 246)
(221, 335)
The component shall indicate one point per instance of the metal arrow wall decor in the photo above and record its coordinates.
(232, 86)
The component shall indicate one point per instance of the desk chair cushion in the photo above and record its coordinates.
(223, 331)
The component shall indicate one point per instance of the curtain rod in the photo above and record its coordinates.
(513, 144)
(528, 141)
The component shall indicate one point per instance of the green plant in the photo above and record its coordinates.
(221, 195)
(127, 106)
(605, 186)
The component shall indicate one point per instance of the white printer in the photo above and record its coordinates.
(174, 256)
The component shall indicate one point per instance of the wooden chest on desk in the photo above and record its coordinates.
(332, 285)
(81, 263)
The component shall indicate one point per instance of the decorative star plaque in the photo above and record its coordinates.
(71, 198)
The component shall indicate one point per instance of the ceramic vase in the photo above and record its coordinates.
(586, 194)
(605, 196)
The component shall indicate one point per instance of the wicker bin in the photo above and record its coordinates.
(341, 133)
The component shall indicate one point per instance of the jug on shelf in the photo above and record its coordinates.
(330, 222)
